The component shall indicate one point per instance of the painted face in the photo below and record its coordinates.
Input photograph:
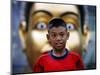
(40, 14)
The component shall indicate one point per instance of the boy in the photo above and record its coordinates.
(59, 58)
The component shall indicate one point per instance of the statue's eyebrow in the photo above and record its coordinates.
(67, 13)
(46, 12)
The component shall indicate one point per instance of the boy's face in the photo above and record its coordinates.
(57, 37)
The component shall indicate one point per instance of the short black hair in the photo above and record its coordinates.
(80, 8)
(82, 16)
(56, 22)
(28, 7)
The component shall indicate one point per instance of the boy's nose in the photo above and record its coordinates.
(58, 38)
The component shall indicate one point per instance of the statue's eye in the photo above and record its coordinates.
(41, 26)
(70, 26)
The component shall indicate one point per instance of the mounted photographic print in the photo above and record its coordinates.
(52, 37)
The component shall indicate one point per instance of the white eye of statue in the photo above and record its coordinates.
(41, 26)
(70, 26)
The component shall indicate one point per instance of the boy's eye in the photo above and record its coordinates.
(53, 35)
(41, 26)
(62, 34)
(70, 26)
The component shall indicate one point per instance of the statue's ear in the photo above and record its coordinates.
(86, 30)
(86, 35)
(22, 33)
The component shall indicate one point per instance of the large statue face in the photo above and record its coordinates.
(35, 39)
(39, 20)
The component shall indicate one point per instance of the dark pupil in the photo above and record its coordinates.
(69, 27)
(41, 26)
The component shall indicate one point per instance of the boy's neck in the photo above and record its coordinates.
(59, 52)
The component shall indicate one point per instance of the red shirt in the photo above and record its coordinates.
(50, 63)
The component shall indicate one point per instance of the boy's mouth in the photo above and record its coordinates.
(59, 44)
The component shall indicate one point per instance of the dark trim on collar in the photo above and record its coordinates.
(61, 57)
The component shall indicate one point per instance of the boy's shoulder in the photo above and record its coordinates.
(74, 54)
(44, 55)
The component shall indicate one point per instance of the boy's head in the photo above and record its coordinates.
(57, 33)
(56, 22)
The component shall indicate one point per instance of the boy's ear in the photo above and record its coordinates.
(22, 33)
(68, 34)
(47, 35)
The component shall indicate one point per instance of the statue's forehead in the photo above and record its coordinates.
(61, 8)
